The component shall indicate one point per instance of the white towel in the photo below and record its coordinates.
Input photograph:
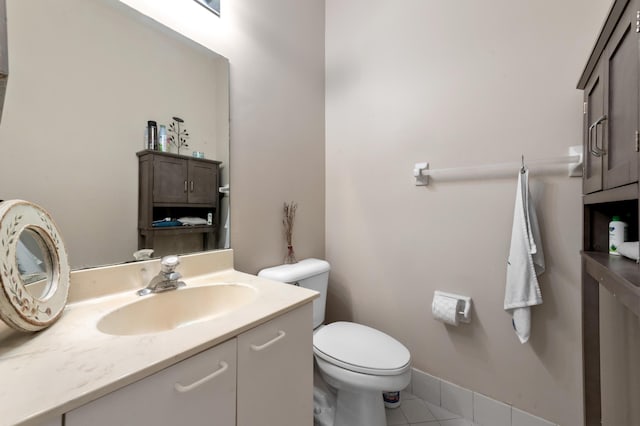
(526, 261)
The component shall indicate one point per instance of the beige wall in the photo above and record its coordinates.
(85, 76)
(454, 84)
(276, 54)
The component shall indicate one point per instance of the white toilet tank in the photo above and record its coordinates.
(309, 273)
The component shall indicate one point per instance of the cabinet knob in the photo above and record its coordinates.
(191, 186)
(185, 186)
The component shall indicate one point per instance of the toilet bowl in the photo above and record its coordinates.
(357, 361)
(360, 363)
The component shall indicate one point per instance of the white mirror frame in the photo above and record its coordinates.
(18, 308)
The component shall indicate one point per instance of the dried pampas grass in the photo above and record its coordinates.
(289, 217)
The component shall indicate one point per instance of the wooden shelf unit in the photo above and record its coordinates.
(174, 186)
(611, 131)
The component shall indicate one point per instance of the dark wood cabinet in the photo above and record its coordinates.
(593, 111)
(176, 186)
(184, 180)
(610, 181)
(203, 182)
(611, 105)
(169, 178)
(620, 157)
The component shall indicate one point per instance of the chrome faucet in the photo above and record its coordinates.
(167, 279)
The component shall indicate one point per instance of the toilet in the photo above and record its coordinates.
(357, 361)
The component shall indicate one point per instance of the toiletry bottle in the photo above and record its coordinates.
(152, 128)
(163, 146)
(617, 234)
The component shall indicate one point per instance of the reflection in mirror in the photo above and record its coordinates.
(212, 5)
(34, 263)
(4, 63)
(86, 77)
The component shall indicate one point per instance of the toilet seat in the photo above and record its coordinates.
(362, 349)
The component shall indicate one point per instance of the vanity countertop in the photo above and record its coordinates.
(48, 373)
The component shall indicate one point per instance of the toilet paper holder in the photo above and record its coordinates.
(464, 305)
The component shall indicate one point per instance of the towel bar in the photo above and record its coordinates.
(421, 171)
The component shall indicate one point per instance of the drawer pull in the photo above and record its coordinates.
(593, 147)
(258, 348)
(186, 388)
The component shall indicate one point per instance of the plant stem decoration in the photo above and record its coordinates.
(178, 137)
(289, 216)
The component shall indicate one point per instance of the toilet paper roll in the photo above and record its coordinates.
(445, 309)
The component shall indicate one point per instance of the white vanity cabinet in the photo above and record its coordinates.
(275, 371)
(200, 390)
(263, 377)
(55, 422)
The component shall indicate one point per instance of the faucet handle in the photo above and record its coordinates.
(169, 263)
(174, 276)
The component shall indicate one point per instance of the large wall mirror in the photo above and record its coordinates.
(86, 76)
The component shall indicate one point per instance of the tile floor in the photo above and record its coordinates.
(416, 412)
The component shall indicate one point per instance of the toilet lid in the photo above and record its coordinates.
(359, 348)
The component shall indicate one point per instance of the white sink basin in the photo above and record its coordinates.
(176, 308)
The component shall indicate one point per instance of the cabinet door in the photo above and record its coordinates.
(203, 182)
(275, 372)
(197, 391)
(53, 422)
(620, 160)
(593, 134)
(170, 183)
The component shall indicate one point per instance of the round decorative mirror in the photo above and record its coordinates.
(34, 269)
